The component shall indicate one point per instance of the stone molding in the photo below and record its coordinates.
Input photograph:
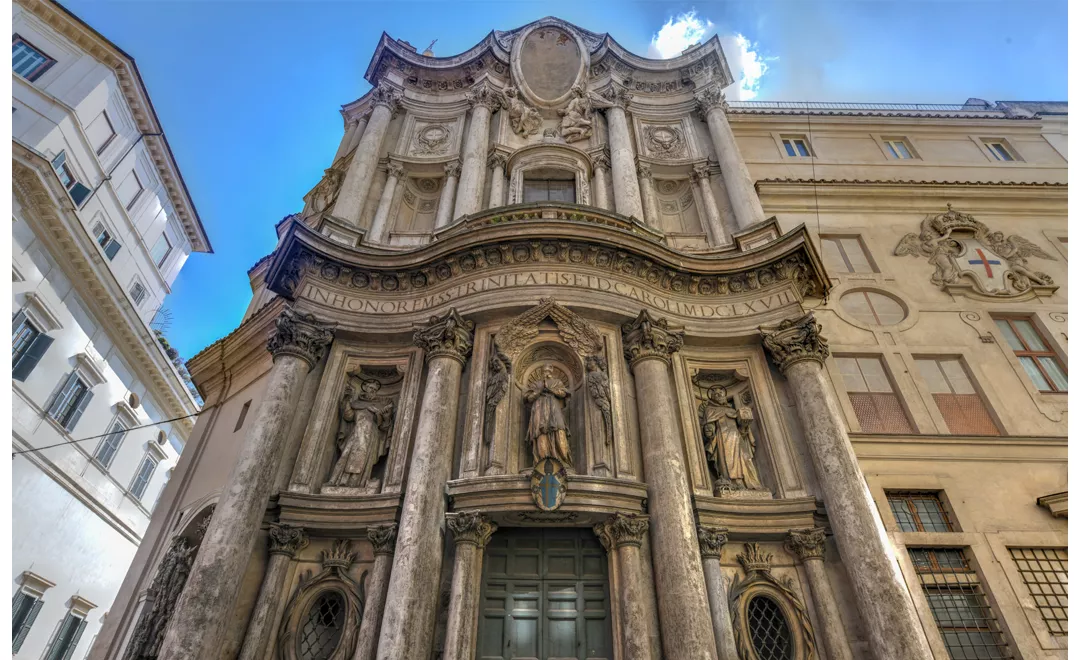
(575, 331)
(796, 340)
(700, 173)
(383, 538)
(807, 543)
(286, 540)
(300, 335)
(647, 337)
(339, 556)
(472, 527)
(447, 335)
(622, 529)
(712, 540)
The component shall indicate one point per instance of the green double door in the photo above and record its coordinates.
(545, 596)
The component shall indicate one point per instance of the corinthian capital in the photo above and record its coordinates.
(474, 528)
(287, 540)
(383, 538)
(711, 540)
(622, 529)
(807, 543)
(453, 168)
(300, 335)
(709, 99)
(394, 170)
(496, 160)
(601, 160)
(483, 95)
(644, 171)
(700, 173)
(617, 96)
(387, 96)
(648, 337)
(795, 340)
(448, 335)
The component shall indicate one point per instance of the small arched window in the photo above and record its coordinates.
(769, 631)
(321, 632)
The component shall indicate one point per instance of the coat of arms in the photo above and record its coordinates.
(967, 255)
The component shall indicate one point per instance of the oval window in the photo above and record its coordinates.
(321, 632)
(769, 631)
(873, 308)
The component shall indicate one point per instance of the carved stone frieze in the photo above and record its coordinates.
(616, 96)
(578, 333)
(622, 529)
(286, 540)
(711, 540)
(471, 527)
(164, 593)
(484, 95)
(447, 335)
(807, 543)
(300, 335)
(662, 141)
(795, 340)
(383, 538)
(647, 337)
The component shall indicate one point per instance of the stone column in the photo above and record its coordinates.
(285, 542)
(740, 186)
(446, 198)
(361, 126)
(712, 541)
(601, 162)
(380, 226)
(497, 164)
(385, 101)
(472, 531)
(484, 101)
(623, 169)
(685, 623)
(809, 546)
(351, 130)
(648, 195)
(891, 623)
(413, 594)
(198, 623)
(714, 224)
(382, 541)
(624, 533)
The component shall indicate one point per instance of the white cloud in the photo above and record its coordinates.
(678, 34)
(748, 66)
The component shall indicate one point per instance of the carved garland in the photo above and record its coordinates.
(759, 581)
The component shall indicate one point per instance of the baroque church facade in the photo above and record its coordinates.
(567, 356)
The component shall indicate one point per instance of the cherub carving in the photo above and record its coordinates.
(1015, 250)
(597, 382)
(576, 121)
(937, 249)
(525, 121)
(364, 432)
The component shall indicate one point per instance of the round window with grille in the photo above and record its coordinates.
(873, 308)
(322, 627)
(769, 631)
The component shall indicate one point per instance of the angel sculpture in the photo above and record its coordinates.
(596, 380)
(364, 433)
(498, 383)
(938, 249)
(1015, 250)
(524, 120)
(576, 121)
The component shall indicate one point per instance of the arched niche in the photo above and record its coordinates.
(549, 161)
(568, 368)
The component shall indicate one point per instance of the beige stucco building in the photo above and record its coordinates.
(569, 357)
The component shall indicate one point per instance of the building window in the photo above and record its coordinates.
(548, 190)
(161, 250)
(323, 627)
(873, 308)
(919, 512)
(138, 293)
(129, 189)
(106, 240)
(106, 451)
(999, 150)
(846, 254)
(898, 148)
(27, 61)
(797, 147)
(78, 191)
(100, 132)
(28, 346)
(24, 610)
(243, 415)
(1045, 571)
(70, 402)
(67, 638)
(960, 608)
(1042, 365)
(769, 630)
(143, 475)
(876, 406)
(956, 398)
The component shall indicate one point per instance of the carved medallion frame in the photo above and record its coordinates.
(519, 77)
(758, 581)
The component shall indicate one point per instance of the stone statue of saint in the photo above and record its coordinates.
(576, 121)
(525, 121)
(547, 434)
(364, 432)
(729, 440)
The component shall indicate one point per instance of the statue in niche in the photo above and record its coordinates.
(576, 121)
(325, 193)
(498, 383)
(524, 120)
(363, 437)
(597, 382)
(729, 440)
(547, 434)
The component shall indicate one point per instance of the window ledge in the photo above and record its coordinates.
(35, 584)
(80, 606)
(126, 413)
(89, 370)
(39, 311)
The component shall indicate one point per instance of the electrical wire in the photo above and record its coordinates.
(95, 437)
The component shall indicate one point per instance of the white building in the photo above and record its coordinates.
(102, 223)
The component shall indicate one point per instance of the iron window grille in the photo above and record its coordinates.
(876, 405)
(769, 630)
(323, 627)
(27, 60)
(919, 511)
(1045, 572)
(959, 605)
(962, 407)
(1042, 365)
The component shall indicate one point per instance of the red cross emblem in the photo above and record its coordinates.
(985, 262)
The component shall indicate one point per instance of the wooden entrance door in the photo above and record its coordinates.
(545, 597)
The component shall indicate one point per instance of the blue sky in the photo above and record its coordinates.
(249, 92)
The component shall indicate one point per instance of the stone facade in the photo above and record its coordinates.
(637, 383)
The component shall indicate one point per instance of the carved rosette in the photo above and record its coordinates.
(807, 543)
(796, 340)
(646, 337)
(300, 335)
(474, 528)
(622, 529)
(711, 540)
(388, 97)
(383, 538)
(452, 169)
(448, 335)
(601, 160)
(710, 98)
(496, 161)
(482, 95)
(287, 540)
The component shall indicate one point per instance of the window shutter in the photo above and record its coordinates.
(58, 402)
(79, 193)
(21, 370)
(114, 247)
(77, 413)
(74, 640)
(17, 321)
(24, 630)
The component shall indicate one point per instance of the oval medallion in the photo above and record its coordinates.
(549, 61)
(548, 484)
